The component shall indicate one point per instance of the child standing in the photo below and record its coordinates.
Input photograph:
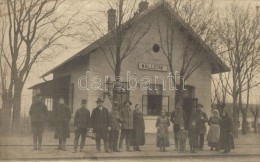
(182, 135)
(193, 135)
(162, 125)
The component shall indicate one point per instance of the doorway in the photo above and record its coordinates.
(189, 105)
(154, 104)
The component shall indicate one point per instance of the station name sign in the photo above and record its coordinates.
(153, 67)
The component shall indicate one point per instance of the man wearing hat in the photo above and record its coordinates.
(100, 123)
(82, 124)
(201, 118)
(38, 113)
(127, 124)
(115, 124)
(178, 118)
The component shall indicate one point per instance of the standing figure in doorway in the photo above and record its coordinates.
(162, 125)
(138, 136)
(178, 117)
(82, 124)
(38, 113)
(101, 125)
(127, 125)
(62, 117)
(115, 124)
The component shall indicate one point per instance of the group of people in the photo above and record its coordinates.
(219, 136)
(103, 123)
(107, 125)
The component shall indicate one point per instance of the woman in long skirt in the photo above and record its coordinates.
(226, 141)
(214, 130)
(162, 125)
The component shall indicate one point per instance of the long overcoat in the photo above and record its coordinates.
(138, 136)
(62, 117)
(100, 122)
(226, 140)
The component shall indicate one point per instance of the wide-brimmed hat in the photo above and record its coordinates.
(128, 102)
(99, 100)
(83, 101)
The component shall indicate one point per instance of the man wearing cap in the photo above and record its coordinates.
(100, 123)
(38, 113)
(201, 118)
(127, 125)
(81, 125)
(178, 118)
(115, 124)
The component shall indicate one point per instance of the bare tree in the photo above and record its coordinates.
(219, 89)
(197, 16)
(255, 112)
(124, 36)
(33, 26)
(240, 35)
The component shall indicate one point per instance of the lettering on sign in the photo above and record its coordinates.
(146, 66)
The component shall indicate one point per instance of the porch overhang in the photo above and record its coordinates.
(49, 88)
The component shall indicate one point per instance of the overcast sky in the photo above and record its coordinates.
(90, 8)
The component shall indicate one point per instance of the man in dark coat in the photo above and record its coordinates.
(138, 135)
(127, 125)
(201, 118)
(38, 113)
(62, 117)
(178, 117)
(82, 124)
(115, 124)
(101, 125)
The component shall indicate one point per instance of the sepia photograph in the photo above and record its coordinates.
(130, 80)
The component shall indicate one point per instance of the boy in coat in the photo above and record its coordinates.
(182, 136)
(193, 135)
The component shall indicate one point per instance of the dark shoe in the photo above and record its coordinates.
(225, 152)
(129, 150)
(216, 149)
(138, 149)
(211, 149)
(116, 150)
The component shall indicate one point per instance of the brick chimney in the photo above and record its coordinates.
(111, 19)
(143, 6)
